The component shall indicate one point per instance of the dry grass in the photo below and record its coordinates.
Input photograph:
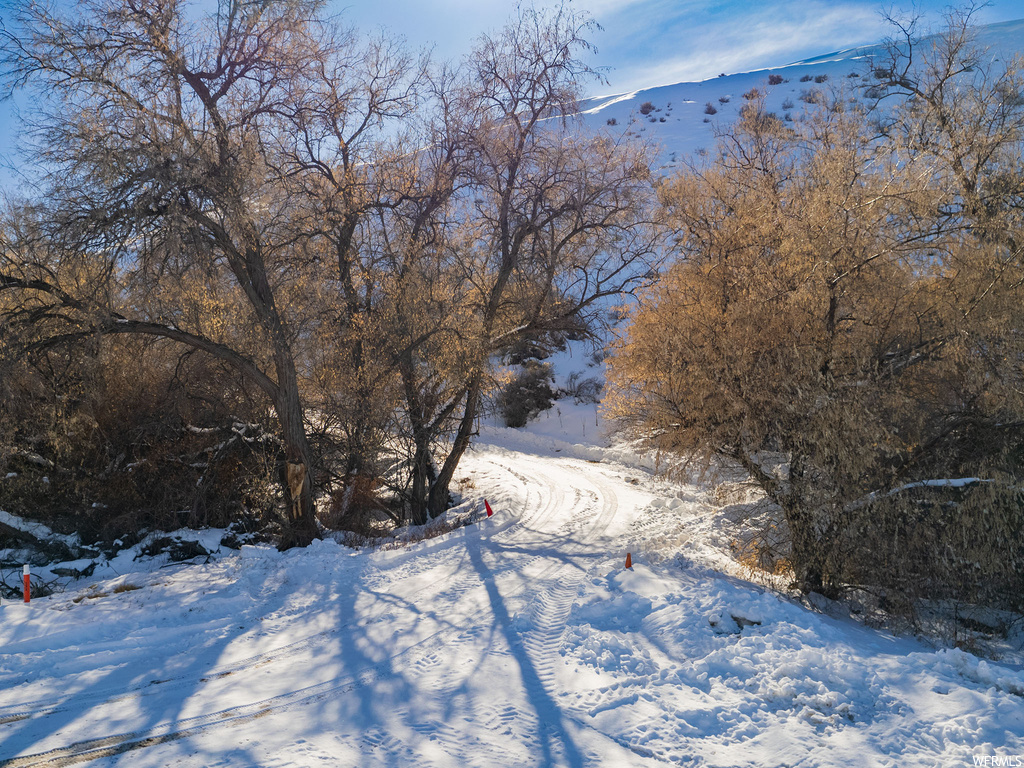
(95, 592)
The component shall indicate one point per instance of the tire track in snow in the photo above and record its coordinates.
(550, 610)
(544, 507)
(592, 507)
(551, 619)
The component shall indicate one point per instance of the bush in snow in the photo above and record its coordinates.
(107, 442)
(583, 391)
(527, 394)
(709, 109)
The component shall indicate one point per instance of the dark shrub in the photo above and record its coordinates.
(132, 437)
(528, 394)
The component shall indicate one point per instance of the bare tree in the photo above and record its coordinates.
(169, 141)
(963, 107)
(530, 223)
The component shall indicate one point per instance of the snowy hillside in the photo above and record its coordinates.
(680, 126)
(520, 640)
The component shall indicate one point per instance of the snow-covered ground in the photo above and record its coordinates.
(521, 641)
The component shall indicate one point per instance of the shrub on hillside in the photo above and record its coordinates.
(527, 394)
(583, 391)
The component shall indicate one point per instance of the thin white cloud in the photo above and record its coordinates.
(601, 8)
(702, 47)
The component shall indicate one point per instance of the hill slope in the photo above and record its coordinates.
(680, 126)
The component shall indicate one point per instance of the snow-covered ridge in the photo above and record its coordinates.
(680, 126)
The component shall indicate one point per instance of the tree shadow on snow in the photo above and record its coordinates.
(553, 736)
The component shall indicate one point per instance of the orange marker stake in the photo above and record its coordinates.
(28, 583)
(629, 561)
(488, 507)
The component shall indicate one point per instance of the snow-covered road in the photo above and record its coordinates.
(521, 641)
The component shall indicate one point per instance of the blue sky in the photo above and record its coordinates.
(644, 42)
(656, 42)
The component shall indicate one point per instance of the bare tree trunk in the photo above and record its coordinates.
(420, 481)
(420, 475)
(440, 498)
(805, 507)
(297, 475)
(807, 554)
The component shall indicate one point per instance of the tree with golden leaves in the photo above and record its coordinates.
(842, 322)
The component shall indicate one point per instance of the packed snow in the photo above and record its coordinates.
(520, 640)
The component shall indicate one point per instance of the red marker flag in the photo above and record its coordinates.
(488, 507)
